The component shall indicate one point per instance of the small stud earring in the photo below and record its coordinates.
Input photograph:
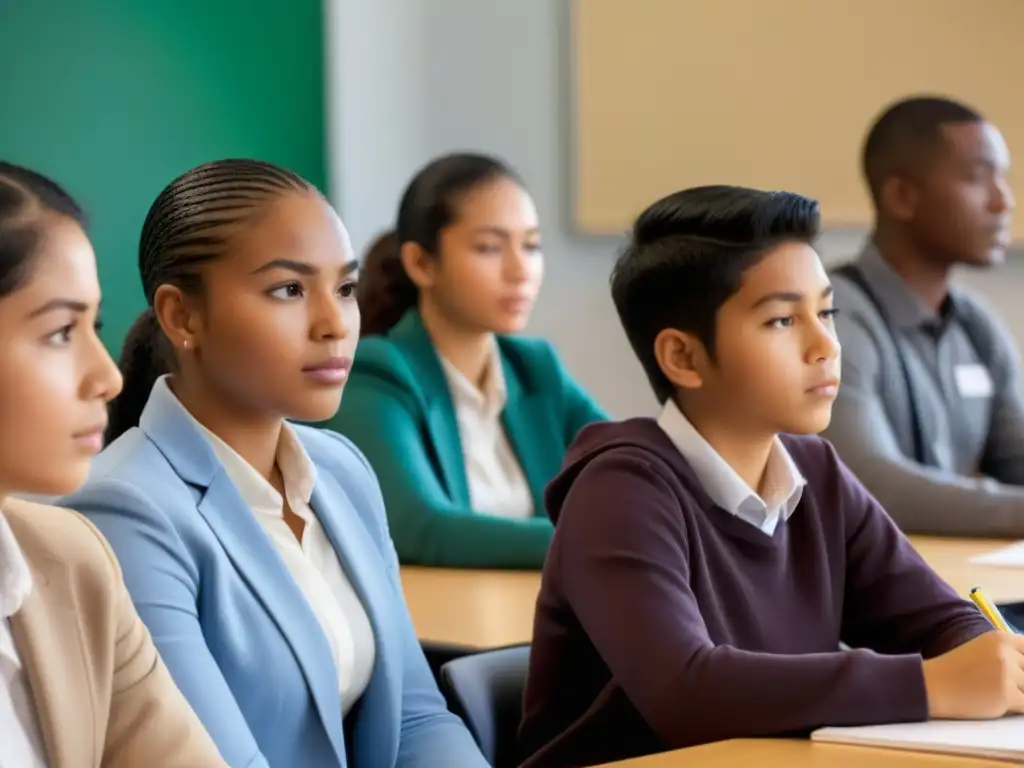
(184, 344)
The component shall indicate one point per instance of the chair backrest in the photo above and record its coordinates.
(486, 691)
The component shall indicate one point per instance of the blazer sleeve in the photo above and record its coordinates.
(162, 581)
(428, 527)
(428, 730)
(150, 722)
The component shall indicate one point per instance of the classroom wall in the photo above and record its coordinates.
(496, 76)
(114, 98)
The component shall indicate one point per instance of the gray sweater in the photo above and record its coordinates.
(972, 482)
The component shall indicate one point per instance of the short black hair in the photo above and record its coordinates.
(687, 255)
(903, 135)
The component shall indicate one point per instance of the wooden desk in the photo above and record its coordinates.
(475, 609)
(488, 609)
(951, 560)
(764, 753)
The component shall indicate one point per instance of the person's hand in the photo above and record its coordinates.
(982, 679)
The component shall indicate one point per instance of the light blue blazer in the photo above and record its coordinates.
(232, 625)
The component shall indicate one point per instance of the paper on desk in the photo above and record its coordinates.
(993, 739)
(1011, 556)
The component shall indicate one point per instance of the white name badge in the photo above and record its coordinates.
(973, 380)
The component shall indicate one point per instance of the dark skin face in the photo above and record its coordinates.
(953, 207)
(961, 212)
(276, 308)
(776, 364)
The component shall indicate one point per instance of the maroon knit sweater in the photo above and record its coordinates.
(664, 621)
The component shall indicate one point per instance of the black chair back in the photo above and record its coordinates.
(486, 691)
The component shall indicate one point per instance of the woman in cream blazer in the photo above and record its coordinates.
(81, 684)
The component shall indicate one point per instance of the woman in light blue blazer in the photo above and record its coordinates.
(257, 552)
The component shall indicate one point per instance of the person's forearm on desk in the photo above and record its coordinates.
(920, 499)
(926, 501)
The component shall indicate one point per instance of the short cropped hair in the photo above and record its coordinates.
(903, 136)
(687, 255)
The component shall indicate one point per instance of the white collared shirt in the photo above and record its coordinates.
(313, 563)
(782, 485)
(497, 485)
(21, 741)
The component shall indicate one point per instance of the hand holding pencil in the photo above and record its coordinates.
(983, 678)
(987, 607)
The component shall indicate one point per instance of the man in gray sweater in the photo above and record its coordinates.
(930, 414)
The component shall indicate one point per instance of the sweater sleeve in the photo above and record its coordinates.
(922, 499)
(894, 602)
(427, 527)
(1003, 459)
(622, 560)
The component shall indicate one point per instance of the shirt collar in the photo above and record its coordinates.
(492, 397)
(297, 471)
(902, 306)
(783, 482)
(15, 576)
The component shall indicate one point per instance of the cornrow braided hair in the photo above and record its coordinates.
(191, 222)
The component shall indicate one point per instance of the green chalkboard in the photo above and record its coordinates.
(114, 98)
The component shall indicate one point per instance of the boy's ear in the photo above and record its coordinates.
(681, 357)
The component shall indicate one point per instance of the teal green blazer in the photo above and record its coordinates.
(398, 410)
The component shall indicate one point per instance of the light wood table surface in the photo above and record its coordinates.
(786, 753)
(475, 609)
(951, 560)
(489, 609)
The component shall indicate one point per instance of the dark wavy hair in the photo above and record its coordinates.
(687, 255)
(192, 221)
(29, 202)
(429, 204)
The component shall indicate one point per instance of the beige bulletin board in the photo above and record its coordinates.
(778, 95)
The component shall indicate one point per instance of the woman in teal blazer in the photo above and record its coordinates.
(440, 298)
(256, 552)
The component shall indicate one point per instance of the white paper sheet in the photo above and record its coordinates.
(1007, 557)
(993, 739)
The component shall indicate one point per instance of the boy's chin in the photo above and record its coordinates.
(810, 423)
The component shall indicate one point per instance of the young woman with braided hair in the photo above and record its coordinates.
(257, 552)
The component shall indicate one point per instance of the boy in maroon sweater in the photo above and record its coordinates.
(706, 565)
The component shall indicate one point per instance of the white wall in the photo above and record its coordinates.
(411, 79)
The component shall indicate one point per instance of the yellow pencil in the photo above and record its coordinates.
(988, 608)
